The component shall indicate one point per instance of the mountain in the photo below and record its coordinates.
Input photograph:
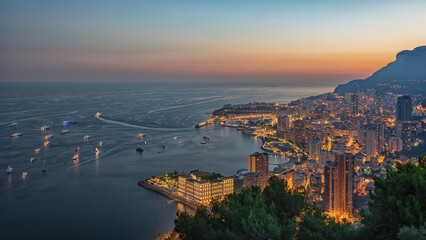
(406, 75)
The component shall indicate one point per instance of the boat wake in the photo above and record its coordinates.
(186, 105)
(138, 126)
(94, 158)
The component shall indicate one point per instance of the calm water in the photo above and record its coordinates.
(99, 197)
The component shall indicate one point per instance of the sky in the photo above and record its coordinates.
(312, 42)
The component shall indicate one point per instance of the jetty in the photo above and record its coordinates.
(205, 123)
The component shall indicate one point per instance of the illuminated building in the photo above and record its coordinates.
(371, 144)
(338, 185)
(283, 123)
(299, 132)
(353, 105)
(314, 149)
(259, 163)
(324, 156)
(201, 191)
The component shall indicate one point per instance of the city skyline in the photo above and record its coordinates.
(243, 41)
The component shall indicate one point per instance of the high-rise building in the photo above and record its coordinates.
(259, 163)
(371, 143)
(283, 123)
(299, 132)
(353, 105)
(404, 108)
(338, 185)
(324, 156)
(406, 135)
(314, 149)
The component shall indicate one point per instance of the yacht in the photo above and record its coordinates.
(140, 135)
(44, 128)
(16, 134)
(9, 169)
(48, 136)
(86, 137)
(44, 167)
(64, 131)
(37, 151)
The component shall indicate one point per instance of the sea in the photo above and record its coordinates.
(97, 197)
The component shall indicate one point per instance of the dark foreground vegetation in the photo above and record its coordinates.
(397, 210)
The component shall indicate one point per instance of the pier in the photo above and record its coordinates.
(205, 123)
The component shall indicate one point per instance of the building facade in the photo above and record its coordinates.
(259, 163)
(203, 192)
(338, 185)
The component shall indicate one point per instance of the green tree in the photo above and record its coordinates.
(399, 200)
(412, 233)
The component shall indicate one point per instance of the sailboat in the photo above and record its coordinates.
(44, 167)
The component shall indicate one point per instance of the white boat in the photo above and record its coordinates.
(44, 167)
(140, 135)
(75, 157)
(46, 143)
(37, 151)
(9, 169)
(100, 143)
(203, 142)
(32, 160)
(64, 131)
(16, 134)
(180, 142)
(175, 137)
(48, 136)
(44, 128)
(86, 137)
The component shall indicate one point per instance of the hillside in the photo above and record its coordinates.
(406, 75)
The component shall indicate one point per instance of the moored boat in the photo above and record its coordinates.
(64, 131)
(140, 136)
(9, 169)
(16, 134)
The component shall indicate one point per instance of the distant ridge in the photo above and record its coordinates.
(406, 75)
